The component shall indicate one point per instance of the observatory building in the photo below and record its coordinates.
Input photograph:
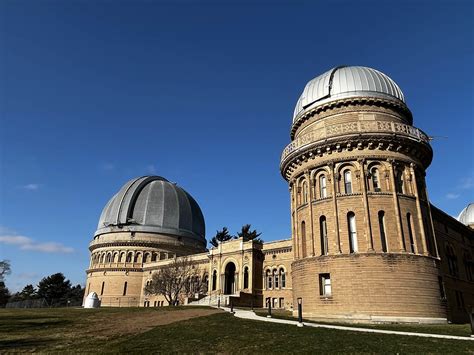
(366, 243)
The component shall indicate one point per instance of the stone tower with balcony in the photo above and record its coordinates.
(363, 238)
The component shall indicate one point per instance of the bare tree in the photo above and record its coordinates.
(180, 277)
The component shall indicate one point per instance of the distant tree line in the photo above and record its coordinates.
(246, 233)
(55, 290)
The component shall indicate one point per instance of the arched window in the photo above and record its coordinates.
(375, 179)
(305, 192)
(383, 238)
(410, 233)
(323, 230)
(129, 257)
(102, 258)
(276, 277)
(303, 238)
(283, 278)
(351, 223)
(246, 277)
(125, 288)
(147, 257)
(269, 280)
(399, 181)
(347, 182)
(214, 280)
(137, 255)
(322, 186)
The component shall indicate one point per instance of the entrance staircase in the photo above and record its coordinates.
(213, 300)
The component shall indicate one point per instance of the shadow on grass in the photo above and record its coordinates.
(8, 326)
(26, 343)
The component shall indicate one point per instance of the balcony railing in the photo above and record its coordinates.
(353, 127)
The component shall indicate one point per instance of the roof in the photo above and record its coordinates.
(345, 82)
(153, 204)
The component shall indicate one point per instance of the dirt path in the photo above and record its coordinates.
(133, 323)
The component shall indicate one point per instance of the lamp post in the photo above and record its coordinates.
(269, 315)
(300, 312)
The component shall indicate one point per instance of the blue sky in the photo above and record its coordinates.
(93, 93)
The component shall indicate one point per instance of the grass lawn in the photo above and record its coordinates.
(189, 330)
(446, 329)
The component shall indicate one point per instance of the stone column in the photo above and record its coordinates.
(334, 203)
(396, 205)
(294, 204)
(310, 202)
(418, 208)
(369, 238)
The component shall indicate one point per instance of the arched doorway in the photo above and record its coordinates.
(229, 282)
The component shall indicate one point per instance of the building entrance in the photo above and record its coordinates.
(229, 280)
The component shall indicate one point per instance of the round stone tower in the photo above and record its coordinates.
(148, 220)
(362, 231)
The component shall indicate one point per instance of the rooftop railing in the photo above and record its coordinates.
(353, 127)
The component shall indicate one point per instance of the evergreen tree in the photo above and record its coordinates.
(54, 289)
(28, 293)
(221, 236)
(247, 234)
(4, 294)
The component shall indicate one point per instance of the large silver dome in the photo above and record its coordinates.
(153, 204)
(466, 216)
(345, 82)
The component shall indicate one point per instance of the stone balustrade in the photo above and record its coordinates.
(353, 127)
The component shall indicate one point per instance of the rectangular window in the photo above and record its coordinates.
(282, 303)
(325, 285)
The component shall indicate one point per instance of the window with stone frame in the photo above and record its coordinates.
(323, 230)
(383, 236)
(352, 229)
(322, 186)
(347, 176)
(283, 277)
(375, 177)
(325, 288)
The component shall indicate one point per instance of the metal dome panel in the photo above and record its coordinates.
(466, 216)
(346, 82)
(153, 204)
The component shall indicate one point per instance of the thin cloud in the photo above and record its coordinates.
(107, 166)
(151, 169)
(451, 196)
(27, 275)
(31, 187)
(467, 183)
(25, 243)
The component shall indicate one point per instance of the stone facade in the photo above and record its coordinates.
(366, 243)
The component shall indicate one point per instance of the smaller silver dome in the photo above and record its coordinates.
(345, 82)
(466, 216)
